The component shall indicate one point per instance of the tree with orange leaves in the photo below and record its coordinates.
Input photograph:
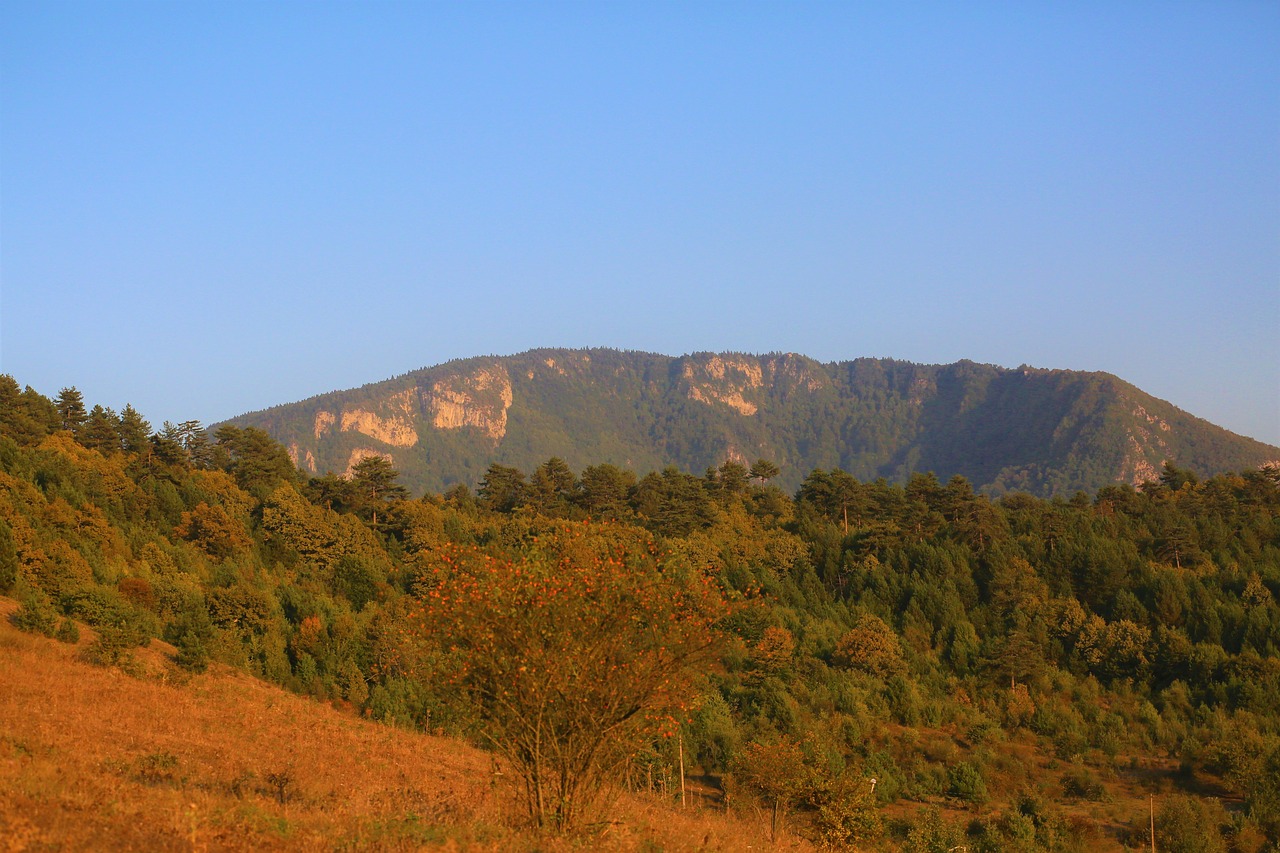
(575, 653)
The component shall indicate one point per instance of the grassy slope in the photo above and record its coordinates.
(91, 758)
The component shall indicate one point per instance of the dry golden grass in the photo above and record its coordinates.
(93, 759)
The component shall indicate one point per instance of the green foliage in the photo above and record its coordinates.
(922, 635)
(8, 559)
(67, 632)
(1185, 825)
(964, 780)
(845, 812)
(35, 613)
(776, 772)
(930, 833)
(870, 646)
(114, 647)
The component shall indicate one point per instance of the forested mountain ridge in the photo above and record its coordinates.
(1040, 431)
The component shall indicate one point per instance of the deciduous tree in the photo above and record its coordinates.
(574, 654)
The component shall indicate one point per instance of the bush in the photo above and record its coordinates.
(1079, 782)
(929, 833)
(964, 780)
(1183, 825)
(846, 812)
(36, 613)
(67, 632)
(114, 647)
(8, 559)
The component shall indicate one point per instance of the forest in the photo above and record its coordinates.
(883, 666)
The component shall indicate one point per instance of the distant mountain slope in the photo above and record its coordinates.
(1042, 431)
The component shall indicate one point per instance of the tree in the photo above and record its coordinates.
(777, 773)
(503, 488)
(195, 440)
(551, 487)
(374, 482)
(167, 445)
(871, 646)
(25, 415)
(134, 431)
(71, 409)
(257, 461)
(763, 470)
(603, 490)
(8, 558)
(673, 502)
(833, 495)
(332, 492)
(101, 431)
(732, 478)
(575, 654)
(213, 531)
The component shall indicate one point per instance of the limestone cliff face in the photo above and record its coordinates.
(392, 424)
(1147, 449)
(302, 458)
(795, 371)
(478, 399)
(725, 380)
(324, 420)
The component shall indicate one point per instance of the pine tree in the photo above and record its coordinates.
(71, 410)
(134, 431)
(101, 431)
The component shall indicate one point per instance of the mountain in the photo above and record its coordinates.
(1047, 432)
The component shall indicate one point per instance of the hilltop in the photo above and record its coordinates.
(1046, 432)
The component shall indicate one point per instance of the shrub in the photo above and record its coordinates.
(35, 614)
(113, 647)
(193, 654)
(67, 632)
(1079, 782)
(846, 812)
(8, 559)
(964, 780)
(929, 833)
(157, 768)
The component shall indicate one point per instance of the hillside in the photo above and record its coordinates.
(1016, 673)
(1046, 432)
(91, 758)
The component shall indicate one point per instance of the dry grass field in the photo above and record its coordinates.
(93, 759)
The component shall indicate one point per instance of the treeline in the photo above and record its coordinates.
(921, 635)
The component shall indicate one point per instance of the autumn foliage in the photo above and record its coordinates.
(575, 654)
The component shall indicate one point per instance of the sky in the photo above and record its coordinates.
(211, 208)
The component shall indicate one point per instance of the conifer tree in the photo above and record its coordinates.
(101, 431)
(71, 409)
(374, 482)
(134, 431)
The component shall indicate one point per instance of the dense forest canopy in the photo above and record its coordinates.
(1001, 667)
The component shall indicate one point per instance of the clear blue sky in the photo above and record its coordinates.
(207, 209)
